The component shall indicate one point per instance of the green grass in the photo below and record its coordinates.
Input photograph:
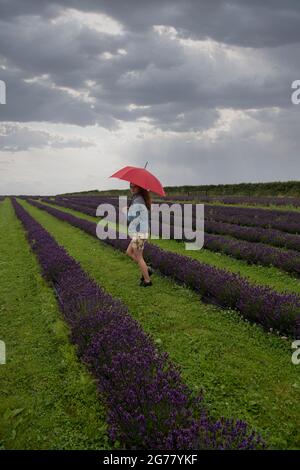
(256, 274)
(47, 399)
(245, 372)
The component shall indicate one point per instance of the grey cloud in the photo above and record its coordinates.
(256, 24)
(15, 138)
(10, 9)
(40, 102)
(267, 23)
(67, 50)
(249, 63)
(156, 72)
(268, 152)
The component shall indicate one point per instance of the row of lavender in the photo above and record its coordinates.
(252, 234)
(276, 213)
(148, 404)
(243, 200)
(252, 252)
(256, 303)
(232, 200)
(286, 221)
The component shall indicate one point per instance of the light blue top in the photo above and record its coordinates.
(138, 217)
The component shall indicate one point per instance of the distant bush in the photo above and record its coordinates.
(276, 188)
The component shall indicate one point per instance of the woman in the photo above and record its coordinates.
(138, 218)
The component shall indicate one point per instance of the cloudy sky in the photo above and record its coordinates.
(199, 88)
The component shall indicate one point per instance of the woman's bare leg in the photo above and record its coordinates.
(142, 264)
(130, 251)
(137, 256)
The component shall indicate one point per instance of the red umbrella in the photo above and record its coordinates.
(141, 177)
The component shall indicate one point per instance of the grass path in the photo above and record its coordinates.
(245, 372)
(268, 276)
(47, 399)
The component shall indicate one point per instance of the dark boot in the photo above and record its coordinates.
(150, 272)
(143, 283)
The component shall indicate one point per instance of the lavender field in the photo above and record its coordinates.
(202, 361)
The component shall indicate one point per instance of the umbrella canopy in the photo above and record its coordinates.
(141, 177)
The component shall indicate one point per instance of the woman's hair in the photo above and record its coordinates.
(146, 196)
